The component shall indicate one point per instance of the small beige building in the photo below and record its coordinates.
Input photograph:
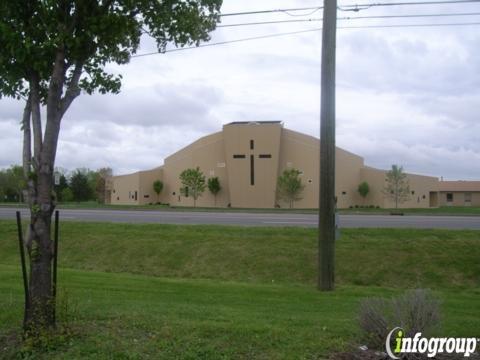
(459, 193)
(248, 157)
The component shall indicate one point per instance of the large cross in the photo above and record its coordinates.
(252, 160)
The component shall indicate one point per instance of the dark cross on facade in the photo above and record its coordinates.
(252, 160)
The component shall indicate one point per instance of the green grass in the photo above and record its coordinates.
(443, 210)
(218, 292)
(375, 257)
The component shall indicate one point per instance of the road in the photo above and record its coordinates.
(258, 219)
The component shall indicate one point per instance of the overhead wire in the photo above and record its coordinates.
(348, 18)
(300, 32)
(355, 7)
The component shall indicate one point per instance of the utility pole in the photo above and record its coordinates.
(326, 231)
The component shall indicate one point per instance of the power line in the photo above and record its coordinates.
(348, 18)
(316, 8)
(230, 42)
(405, 3)
(356, 7)
(301, 32)
(409, 25)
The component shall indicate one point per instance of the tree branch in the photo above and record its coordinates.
(52, 126)
(73, 89)
(27, 139)
(36, 118)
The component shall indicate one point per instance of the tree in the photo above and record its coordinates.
(51, 51)
(12, 184)
(103, 175)
(158, 187)
(214, 187)
(80, 186)
(62, 184)
(193, 182)
(363, 190)
(396, 187)
(289, 186)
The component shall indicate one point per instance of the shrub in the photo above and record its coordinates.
(415, 311)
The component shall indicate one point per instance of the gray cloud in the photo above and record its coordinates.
(406, 96)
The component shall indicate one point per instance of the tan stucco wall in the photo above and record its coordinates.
(266, 141)
(302, 152)
(206, 153)
(421, 186)
(124, 187)
(146, 193)
(459, 198)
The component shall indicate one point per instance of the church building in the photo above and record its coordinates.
(248, 158)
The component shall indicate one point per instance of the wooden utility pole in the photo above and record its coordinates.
(326, 233)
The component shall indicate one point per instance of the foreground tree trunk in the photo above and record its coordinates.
(38, 173)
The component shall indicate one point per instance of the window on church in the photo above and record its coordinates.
(252, 170)
(239, 156)
(265, 156)
(251, 144)
(468, 197)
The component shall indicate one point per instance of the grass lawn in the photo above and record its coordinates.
(213, 292)
(444, 210)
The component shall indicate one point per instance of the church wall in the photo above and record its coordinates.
(124, 188)
(227, 155)
(206, 153)
(420, 185)
(252, 155)
(146, 193)
(302, 152)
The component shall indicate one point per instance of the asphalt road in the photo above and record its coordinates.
(259, 219)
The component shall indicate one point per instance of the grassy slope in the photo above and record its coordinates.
(236, 310)
(374, 257)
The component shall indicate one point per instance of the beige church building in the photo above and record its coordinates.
(248, 157)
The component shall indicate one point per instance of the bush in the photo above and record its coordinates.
(67, 195)
(415, 311)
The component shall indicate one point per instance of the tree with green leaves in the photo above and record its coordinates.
(363, 190)
(289, 186)
(193, 182)
(51, 51)
(396, 188)
(214, 187)
(12, 184)
(158, 187)
(80, 187)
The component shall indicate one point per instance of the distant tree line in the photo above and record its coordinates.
(81, 184)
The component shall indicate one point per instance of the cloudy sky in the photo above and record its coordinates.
(408, 96)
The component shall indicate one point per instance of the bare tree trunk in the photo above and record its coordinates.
(39, 245)
(39, 176)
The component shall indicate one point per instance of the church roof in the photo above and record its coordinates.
(255, 122)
